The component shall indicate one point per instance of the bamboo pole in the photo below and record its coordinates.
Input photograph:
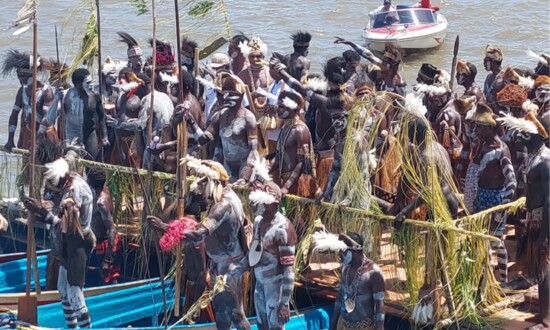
(181, 170)
(99, 58)
(149, 185)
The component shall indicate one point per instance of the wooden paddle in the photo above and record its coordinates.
(453, 69)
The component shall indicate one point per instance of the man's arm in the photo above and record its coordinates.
(286, 240)
(378, 288)
(106, 215)
(101, 118)
(507, 169)
(252, 137)
(545, 222)
(362, 51)
(302, 139)
(12, 122)
(198, 134)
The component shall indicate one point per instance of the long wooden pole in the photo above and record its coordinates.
(149, 189)
(27, 307)
(99, 57)
(181, 171)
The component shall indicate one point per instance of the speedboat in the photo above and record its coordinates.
(407, 28)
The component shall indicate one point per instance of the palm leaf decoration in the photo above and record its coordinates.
(89, 45)
(140, 5)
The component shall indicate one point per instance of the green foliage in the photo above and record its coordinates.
(200, 9)
(140, 5)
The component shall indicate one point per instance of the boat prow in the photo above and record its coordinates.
(417, 28)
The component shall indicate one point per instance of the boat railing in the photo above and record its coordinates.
(409, 16)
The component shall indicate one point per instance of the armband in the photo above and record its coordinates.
(379, 317)
(12, 128)
(378, 295)
(198, 133)
(286, 257)
(16, 108)
(210, 225)
(208, 135)
(292, 81)
(309, 95)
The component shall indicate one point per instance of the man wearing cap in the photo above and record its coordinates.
(271, 253)
(387, 7)
(534, 253)
(466, 77)
(219, 62)
(496, 179)
(492, 63)
(360, 300)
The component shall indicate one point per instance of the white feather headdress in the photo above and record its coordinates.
(327, 242)
(207, 83)
(111, 65)
(413, 105)
(520, 124)
(172, 79)
(270, 96)
(56, 170)
(535, 56)
(430, 89)
(287, 102)
(261, 197)
(317, 84)
(260, 171)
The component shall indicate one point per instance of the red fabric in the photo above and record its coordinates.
(101, 247)
(175, 233)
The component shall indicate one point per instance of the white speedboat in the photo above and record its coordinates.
(407, 28)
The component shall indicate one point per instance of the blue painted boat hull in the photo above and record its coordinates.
(123, 308)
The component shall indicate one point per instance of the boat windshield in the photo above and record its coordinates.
(411, 16)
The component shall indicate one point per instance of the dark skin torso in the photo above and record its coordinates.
(491, 177)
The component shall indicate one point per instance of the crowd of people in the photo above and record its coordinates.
(267, 122)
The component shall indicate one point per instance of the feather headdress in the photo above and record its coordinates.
(519, 124)
(213, 172)
(261, 197)
(414, 106)
(324, 242)
(165, 55)
(317, 84)
(287, 102)
(133, 46)
(301, 38)
(260, 171)
(169, 78)
(208, 83)
(112, 66)
(56, 170)
(539, 58)
(188, 47)
(254, 45)
(529, 106)
(15, 61)
(430, 89)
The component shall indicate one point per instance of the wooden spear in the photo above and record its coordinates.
(181, 173)
(27, 305)
(149, 188)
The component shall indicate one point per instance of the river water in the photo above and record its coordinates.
(512, 25)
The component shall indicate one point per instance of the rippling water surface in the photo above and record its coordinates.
(512, 25)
